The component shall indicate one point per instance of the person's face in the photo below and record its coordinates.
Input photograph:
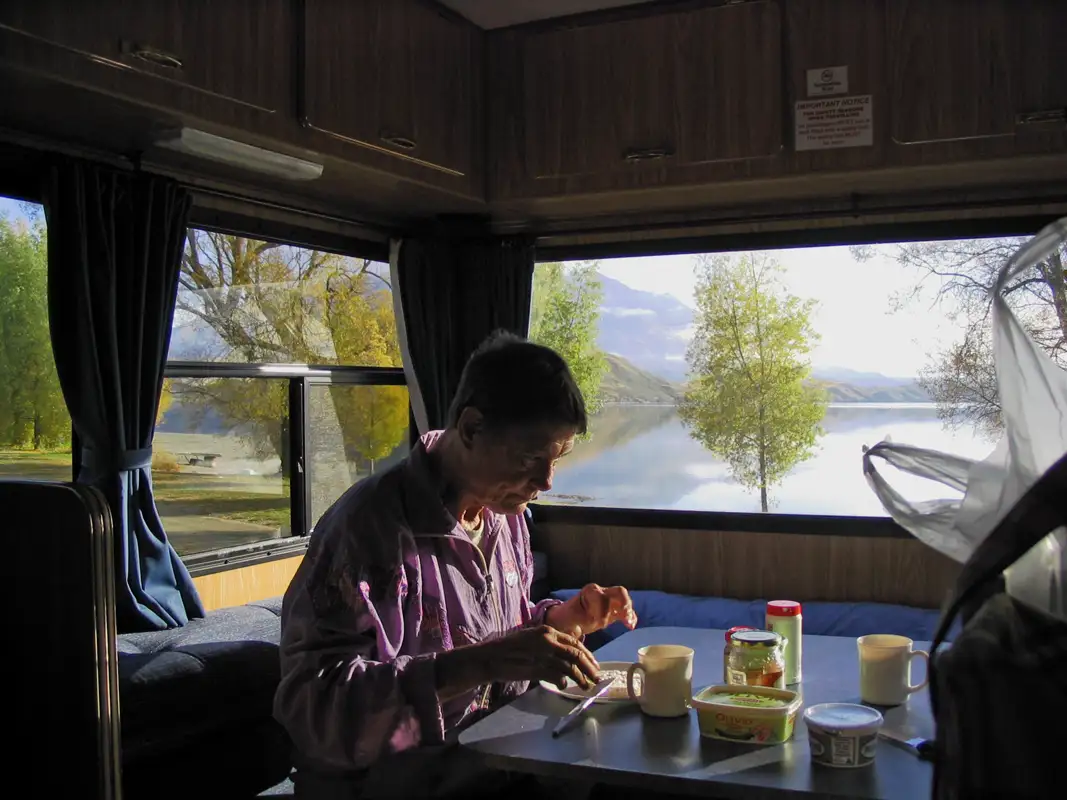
(508, 469)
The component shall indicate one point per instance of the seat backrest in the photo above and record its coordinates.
(59, 588)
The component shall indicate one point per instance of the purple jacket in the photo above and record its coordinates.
(389, 580)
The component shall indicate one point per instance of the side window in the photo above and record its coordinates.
(278, 353)
(35, 429)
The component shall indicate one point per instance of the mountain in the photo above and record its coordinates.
(649, 330)
(627, 383)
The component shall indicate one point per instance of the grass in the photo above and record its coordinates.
(177, 494)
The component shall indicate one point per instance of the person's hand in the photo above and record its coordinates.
(527, 654)
(542, 654)
(593, 608)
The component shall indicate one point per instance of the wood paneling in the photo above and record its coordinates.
(236, 587)
(748, 565)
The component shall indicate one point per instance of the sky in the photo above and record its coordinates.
(855, 314)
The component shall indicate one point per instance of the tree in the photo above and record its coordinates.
(564, 316)
(961, 378)
(32, 411)
(748, 400)
(263, 302)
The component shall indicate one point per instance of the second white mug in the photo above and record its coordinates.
(666, 679)
(885, 668)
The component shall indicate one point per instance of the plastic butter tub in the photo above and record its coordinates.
(842, 734)
(751, 714)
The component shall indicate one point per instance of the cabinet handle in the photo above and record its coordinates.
(399, 142)
(1038, 117)
(151, 55)
(647, 154)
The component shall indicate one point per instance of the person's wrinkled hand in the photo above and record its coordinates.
(593, 608)
(541, 654)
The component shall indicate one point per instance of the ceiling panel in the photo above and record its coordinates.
(490, 14)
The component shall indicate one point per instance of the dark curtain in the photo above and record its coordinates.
(453, 294)
(115, 243)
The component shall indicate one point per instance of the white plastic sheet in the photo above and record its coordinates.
(1033, 399)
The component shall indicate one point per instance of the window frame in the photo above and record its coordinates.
(800, 524)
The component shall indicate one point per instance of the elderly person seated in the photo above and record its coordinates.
(410, 613)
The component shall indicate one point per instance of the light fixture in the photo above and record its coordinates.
(218, 148)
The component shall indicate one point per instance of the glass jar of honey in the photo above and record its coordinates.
(726, 650)
(756, 658)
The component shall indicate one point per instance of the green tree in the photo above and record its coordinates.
(748, 399)
(958, 278)
(271, 303)
(564, 316)
(32, 411)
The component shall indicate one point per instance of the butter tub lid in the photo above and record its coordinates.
(843, 716)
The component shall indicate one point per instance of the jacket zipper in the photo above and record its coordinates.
(494, 604)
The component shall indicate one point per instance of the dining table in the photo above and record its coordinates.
(615, 743)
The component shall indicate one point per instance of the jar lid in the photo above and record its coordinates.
(737, 628)
(783, 608)
(756, 638)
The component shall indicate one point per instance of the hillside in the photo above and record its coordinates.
(626, 383)
(892, 393)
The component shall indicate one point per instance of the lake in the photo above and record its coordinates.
(642, 457)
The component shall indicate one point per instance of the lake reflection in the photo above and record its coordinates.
(642, 457)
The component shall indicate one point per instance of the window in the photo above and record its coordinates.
(749, 382)
(35, 429)
(284, 386)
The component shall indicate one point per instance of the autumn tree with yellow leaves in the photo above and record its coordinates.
(265, 303)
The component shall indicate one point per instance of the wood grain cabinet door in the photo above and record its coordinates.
(730, 102)
(1038, 49)
(601, 98)
(949, 70)
(665, 90)
(174, 53)
(394, 76)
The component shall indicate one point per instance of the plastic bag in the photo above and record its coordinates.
(1033, 400)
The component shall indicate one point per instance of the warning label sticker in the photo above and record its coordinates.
(835, 122)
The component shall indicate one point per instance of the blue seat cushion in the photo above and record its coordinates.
(662, 609)
(206, 681)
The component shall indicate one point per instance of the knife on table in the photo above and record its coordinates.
(572, 716)
(923, 748)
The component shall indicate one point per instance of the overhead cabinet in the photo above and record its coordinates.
(176, 53)
(972, 69)
(675, 89)
(392, 76)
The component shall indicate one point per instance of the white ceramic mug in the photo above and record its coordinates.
(885, 669)
(666, 679)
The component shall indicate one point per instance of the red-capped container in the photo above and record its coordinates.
(726, 651)
(785, 618)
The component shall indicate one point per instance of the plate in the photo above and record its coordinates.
(616, 694)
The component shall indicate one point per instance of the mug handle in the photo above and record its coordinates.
(926, 678)
(630, 681)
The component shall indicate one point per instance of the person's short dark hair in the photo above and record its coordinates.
(516, 383)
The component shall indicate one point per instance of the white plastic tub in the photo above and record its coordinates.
(842, 734)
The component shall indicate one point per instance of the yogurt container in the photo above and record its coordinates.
(748, 714)
(842, 734)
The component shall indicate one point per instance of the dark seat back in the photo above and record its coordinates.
(58, 587)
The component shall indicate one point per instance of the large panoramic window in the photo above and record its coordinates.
(750, 381)
(35, 429)
(284, 387)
